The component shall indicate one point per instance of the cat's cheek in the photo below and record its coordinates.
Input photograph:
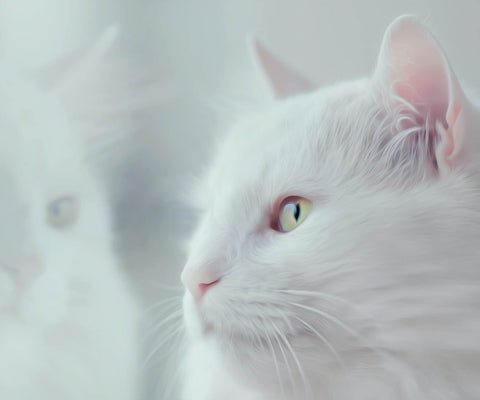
(45, 303)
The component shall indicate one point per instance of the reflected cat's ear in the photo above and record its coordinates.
(72, 69)
(283, 80)
(102, 92)
(413, 68)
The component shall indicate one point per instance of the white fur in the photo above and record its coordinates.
(374, 296)
(68, 331)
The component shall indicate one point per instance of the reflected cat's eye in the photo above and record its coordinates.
(292, 211)
(62, 213)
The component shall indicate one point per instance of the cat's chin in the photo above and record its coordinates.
(195, 323)
(247, 358)
(201, 324)
(236, 346)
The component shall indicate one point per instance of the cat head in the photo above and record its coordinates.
(55, 232)
(335, 216)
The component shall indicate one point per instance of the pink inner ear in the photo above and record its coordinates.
(417, 70)
(452, 118)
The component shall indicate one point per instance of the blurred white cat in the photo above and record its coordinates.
(67, 319)
(337, 254)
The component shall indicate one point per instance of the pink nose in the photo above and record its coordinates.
(198, 290)
(203, 287)
(199, 280)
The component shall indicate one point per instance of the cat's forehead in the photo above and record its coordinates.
(35, 134)
(285, 149)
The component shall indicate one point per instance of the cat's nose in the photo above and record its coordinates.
(198, 279)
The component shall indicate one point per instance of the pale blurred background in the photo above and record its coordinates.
(196, 51)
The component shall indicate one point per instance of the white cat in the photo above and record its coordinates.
(67, 319)
(337, 256)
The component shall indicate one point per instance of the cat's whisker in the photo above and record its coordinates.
(308, 293)
(173, 316)
(170, 388)
(173, 331)
(174, 344)
(326, 316)
(285, 358)
(104, 133)
(334, 273)
(151, 321)
(170, 380)
(255, 328)
(275, 362)
(324, 340)
(285, 319)
(333, 298)
(162, 286)
(105, 147)
(306, 384)
(161, 303)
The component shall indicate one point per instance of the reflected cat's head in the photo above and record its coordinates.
(55, 232)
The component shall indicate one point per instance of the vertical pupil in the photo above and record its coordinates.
(296, 213)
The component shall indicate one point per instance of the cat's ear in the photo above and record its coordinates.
(413, 68)
(283, 80)
(103, 93)
(73, 68)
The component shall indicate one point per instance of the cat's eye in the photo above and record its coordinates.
(292, 212)
(62, 212)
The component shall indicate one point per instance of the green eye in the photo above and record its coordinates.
(293, 211)
(62, 212)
